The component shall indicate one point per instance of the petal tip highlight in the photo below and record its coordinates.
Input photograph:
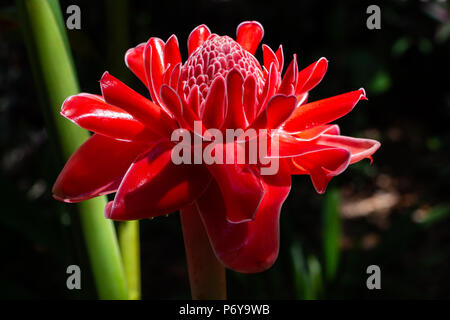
(363, 94)
(253, 23)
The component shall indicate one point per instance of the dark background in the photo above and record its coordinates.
(394, 213)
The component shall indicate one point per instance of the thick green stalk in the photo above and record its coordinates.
(52, 64)
(130, 248)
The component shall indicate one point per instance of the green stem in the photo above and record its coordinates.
(206, 273)
(129, 246)
(51, 60)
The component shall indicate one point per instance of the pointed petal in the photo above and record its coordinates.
(302, 99)
(172, 52)
(120, 95)
(250, 100)
(155, 186)
(289, 146)
(315, 132)
(240, 183)
(333, 129)
(91, 112)
(172, 102)
(235, 117)
(269, 57)
(323, 111)
(172, 59)
(280, 57)
(197, 37)
(134, 59)
(289, 81)
(154, 66)
(311, 76)
(174, 82)
(252, 246)
(359, 148)
(214, 108)
(269, 88)
(279, 108)
(96, 168)
(185, 116)
(193, 101)
(249, 34)
(322, 165)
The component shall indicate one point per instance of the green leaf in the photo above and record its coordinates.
(52, 64)
(302, 281)
(437, 214)
(315, 275)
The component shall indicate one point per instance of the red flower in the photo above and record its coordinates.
(222, 84)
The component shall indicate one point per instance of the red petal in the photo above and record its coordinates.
(333, 129)
(172, 102)
(290, 78)
(269, 87)
(134, 59)
(235, 110)
(323, 111)
(280, 57)
(289, 146)
(249, 246)
(96, 168)
(322, 165)
(279, 108)
(269, 57)
(359, 148)
(174, 82)
(302, 99)
(190, 110)
(172, 59)
(311, 76)
(94, 114)
(249, 34)
(193, 100)
(154, 66)
(214, 110)
(240, 183)
(120, 95)
(314, 132)
(155, 186)
(185, 116)
(197, 37)
(250, 99)
(172, 52)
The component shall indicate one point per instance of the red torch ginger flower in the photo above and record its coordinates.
(222, 85)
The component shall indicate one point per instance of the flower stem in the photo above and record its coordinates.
(50, 57)
(206, 273)
(129, 246)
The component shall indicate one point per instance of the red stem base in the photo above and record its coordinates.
(206, 273)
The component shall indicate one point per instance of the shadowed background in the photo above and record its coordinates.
(394, 213)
